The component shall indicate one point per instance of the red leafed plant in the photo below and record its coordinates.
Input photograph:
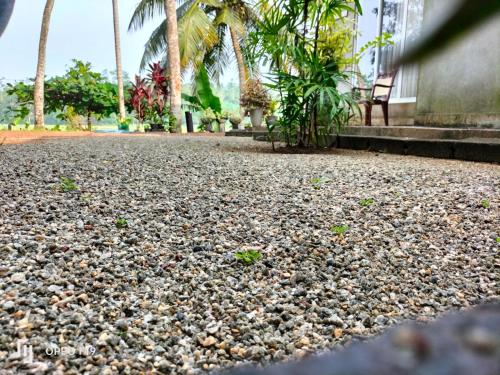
(148, 96)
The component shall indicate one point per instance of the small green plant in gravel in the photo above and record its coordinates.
(317, 182)
(485, 203)
(122, 334)
(121, 223)
(67, 184)
(366, 202)
(248, 256)
(339, 229)
(498, 239)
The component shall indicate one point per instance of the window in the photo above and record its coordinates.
(401, 18)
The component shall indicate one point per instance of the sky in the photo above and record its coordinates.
(79, 29)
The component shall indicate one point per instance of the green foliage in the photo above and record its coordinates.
(273, 107)
(248, 256)
(339, 229)
(121, 223)
(294, 37)
(203, 97)
(497, 239)
(124, 124)
(67, 184)
(80, 92)
(366, 202)
(19, 109)
(203, 28)
(485, 203)
(318, 182)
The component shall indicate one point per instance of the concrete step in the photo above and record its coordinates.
(422, 132)
(482, 145)
(472, 149)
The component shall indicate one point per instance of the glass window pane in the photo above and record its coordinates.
(367, 31)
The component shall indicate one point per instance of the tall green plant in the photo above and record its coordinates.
(294, 37)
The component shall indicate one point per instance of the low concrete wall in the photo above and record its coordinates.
(461, 86)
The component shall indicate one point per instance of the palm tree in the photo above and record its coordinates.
(118, 54)
(174, 64)
(203, 26)
(40, 68)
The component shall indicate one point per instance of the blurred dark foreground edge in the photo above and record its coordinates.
(6, 8)
(461, 343)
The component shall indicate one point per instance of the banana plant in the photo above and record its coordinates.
(203, 96)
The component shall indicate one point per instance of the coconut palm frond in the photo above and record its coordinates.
(146, 10)
(155, 46)
(219, 57)
(196, 35)
(226, 16)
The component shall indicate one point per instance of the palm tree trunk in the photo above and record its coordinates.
(174, 62)
(118, 54)
(40, 68)
(242, 70)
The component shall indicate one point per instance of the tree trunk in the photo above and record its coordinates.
(89, 121)
(174, 62)
(40, 69)
(118, 54)
(242, 70)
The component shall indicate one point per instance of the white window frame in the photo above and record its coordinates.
(380, 20)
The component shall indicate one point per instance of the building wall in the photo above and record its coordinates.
(461, 86)
(400, 114)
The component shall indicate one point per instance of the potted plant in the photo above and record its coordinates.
(207, 119)
(124, 125)
(256, 100)
(235, 121)
(221, 120)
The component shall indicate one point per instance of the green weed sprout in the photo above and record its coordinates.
(248, 256)
(366, 202)
(339, 229)
(67, 184)
(121, 223)
(317, 182)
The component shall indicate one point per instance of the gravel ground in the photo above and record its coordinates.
(165, 294)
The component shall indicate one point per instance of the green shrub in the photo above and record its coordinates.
(67, 184)
(248, 256)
